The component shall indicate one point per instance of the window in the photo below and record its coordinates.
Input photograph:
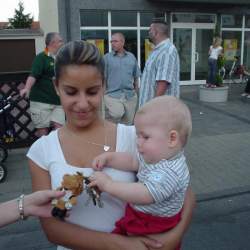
(148, 17)
(93, 18)
(231, 21)
(124, 18)
(146, 47)
(194, 18)
(247, 18)
(231, 46)
(246, 58)
(182, 39)
(97, 37)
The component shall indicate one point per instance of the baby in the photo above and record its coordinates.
(163, 126)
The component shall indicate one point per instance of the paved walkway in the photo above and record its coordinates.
(218, 155)
(218, 151)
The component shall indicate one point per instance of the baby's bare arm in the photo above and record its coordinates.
(118, 160)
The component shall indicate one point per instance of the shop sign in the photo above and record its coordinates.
(230, 48)
(148, 48)
(99, 43)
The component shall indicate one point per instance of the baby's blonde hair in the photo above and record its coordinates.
(172, 113)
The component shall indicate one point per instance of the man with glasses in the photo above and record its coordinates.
(121, 78)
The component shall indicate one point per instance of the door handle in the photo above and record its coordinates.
(196, 57)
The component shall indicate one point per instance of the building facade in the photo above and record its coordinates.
(191, 27)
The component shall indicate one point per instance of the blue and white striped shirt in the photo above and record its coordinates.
(167, 182)
(162, 65)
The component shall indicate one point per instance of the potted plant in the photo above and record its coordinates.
(221, 71)
(219, 93)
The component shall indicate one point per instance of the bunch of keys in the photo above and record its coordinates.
(94, 193)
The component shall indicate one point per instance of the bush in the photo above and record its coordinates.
(220, 64)
(219, 80)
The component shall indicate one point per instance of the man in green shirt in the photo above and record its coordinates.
(45, 109)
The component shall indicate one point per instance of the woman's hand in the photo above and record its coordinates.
(39, 203)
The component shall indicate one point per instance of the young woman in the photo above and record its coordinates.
(79, 83)
(215, 50)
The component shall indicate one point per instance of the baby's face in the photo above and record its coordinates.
(152, 139)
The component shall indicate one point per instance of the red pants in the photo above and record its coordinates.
(139, 223)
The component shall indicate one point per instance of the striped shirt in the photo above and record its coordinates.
(162, 65)
(167, 182)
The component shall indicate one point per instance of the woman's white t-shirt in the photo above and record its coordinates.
(215, 52)
(47, 153)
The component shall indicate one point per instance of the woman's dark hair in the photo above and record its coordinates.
(78, 53)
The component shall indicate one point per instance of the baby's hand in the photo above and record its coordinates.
(100, 161)
(101, 180)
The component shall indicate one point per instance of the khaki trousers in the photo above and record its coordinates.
(120, 110)
(42, 114)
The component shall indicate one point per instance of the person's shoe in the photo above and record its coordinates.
(208, 85)
(213, 86)
(244, 94)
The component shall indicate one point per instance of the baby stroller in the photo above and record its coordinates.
(7, 130)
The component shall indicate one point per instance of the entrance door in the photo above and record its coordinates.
(192, 42)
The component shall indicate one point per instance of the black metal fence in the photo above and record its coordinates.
(24, 132)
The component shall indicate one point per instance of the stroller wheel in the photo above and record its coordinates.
(3, 172)
(3, 153)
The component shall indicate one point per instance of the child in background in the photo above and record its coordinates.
(163, 126)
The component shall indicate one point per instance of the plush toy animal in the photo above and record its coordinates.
(73, 186)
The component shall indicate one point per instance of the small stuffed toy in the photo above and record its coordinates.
(73, 186)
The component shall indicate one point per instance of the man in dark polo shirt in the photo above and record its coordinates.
(121, 78)
(45, 109)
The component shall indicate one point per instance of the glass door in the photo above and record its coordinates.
(203, 40)
(192, 42)
(182, 38)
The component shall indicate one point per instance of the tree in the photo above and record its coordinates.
(20, 20)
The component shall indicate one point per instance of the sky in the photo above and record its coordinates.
(7, 9)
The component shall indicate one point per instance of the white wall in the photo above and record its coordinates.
(48, 16)
(40, 44)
